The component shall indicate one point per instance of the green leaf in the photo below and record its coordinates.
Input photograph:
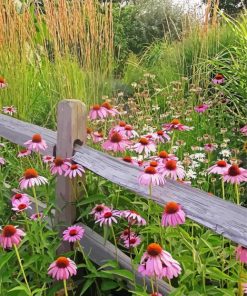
(217, 274)
(121, 272)
(5, 258)
(88, 283)
(108, 284)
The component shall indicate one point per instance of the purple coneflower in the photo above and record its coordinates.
(58, 166)
(10, 236)
(161, 136)
(10, 110)
(241, 254)
(129, 131)
(173, 214)
(151, 177)
(201, 108)
(175, 124)
(31, 178)
(209, 147)
(133, 217)
(97, 137)
(218, 79)
(20, 205)
(99, 210)
(145, 146)
(172, 170)
(116, 142)
(74, 170)
(73, 233)
(24, 152)
(98, 111)
(243, 130)
(132, 242)
(219, 168)
(47, 158)
(111, 111)
(235, 175)
(62, 269)
(2, 161)
(36, 216)
(108, 217)
(3, 83)
(36, 144)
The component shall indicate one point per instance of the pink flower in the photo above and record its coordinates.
(99, 210)
(111, 111)
(210, 147)
(48, 158)
(62, 268)
(235, 175)
(201, 108)
(36, 216)
(151, 177)
(243, 130)
(9, 110)
(129, 159)
(31, 178)
(176, 125)
(145, 146)
(126, 234)
(116, 142)
(133, 218)
(108, 217)
(132, 242)
(58, 166)
(21, 205)
(74, 170)
(73, 233)
(156, 262)
(22, 197)
(219, 168)
(98, 111)
(172, 170)
(3, 83)
(120, 127)
(97, 137)
(173, 214)
(161, 136)
(241, 254)
(24, 152)
(2, 161)
(10, 236)
(129, 132)
(218, 79)
(36, 144)
(163, 156)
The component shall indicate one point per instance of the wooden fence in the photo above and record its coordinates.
(223, 217)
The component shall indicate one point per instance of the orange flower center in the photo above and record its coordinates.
(58, 161)
(22, 206)
(175, 121)
(30, 173)
(62, 262)
(36, 138)
(153, 164)
(221, 163)
(74, 167)
(9, 109)
(96, 107)
(160, 133)
(150, 170)
(8, 231)
(2, 80)
(122, 123)
(18, 196)
(127, 159)
(99, 209)
(171, 207)
(171, 165)
(234, 170)
(89, 130)
(107, 214)
(107, 105)
(128, 127)
(154, 249)
(23, 151)
(143, 141)
(126, 232)
(116, 137)
(132, 240)
(73, 232)
(163, 154)
(218, 76)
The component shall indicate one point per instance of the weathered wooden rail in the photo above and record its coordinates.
(223, 217)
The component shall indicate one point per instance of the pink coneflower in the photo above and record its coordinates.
(241, 254)
(74, 170)
(111, 111)
(9, 110)
(116, 142)
(62, 268)
(36, 216)
(163, 157)
(98, 111)
(175, 124)
(73, 233)
(161, 136)
(3, 83)
(132, 242)
(2, 161)
(97, 137)
(58, 166)
(173, 214)
(172, 170)
(150, 176)
(129, 159)
(24, 152)
(145, 146)
(126, 234)
(218, 79)
(219, 168)
(108, 217)
(209, 147)
(129, 131)
(156, 262)
(47, 158)
(31, 178)
(22, 197)
(201, 108)
(36, 144)
(243, 130)
(89, 132)
(133, 217)
(10, 236)
(235, 175)
(21, 205)
(120, 127)
(99, 210)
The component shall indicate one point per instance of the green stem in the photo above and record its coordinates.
(65, 288)
(115, 242)
(36, 201)
(237, 194)
(223, 188)
(22, 269)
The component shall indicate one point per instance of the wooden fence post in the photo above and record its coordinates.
(71, 128)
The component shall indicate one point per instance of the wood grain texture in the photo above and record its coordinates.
(221, 216)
